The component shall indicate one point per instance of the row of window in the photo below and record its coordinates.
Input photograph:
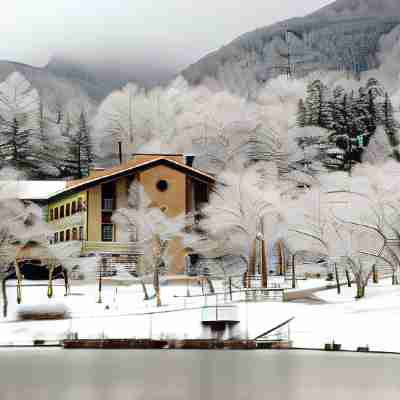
(68, 234)
(66, 210)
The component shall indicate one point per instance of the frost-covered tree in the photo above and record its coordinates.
(19, 139)
(80, 154)
(241, 208)
(350, 220)
(391, 126)
(146, 227)
(318, 105)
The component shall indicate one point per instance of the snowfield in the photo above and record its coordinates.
(324, 317)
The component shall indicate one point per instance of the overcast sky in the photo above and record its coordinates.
(176, 32)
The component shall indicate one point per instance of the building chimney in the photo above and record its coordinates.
(189, 159)
(96, 171)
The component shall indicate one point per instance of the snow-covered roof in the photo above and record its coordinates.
(36, 190)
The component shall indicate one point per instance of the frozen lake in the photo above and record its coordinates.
(195, 375)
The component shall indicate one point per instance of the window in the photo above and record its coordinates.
(81, 233)
(68, 210)
(107, 232)
(61, 236)
(162, 185)
(74, 234)
(80, 204)
(51, 215)
(67, 235)
(56, 213)
(56, 237)
(73, 209)
(106, 217)
(62, 212)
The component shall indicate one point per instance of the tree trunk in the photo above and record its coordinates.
(360, 291)
(5, 300)
(293, 274)
(348, 278)
(156, 284)
(50, 284)
(66, 281)
(146, 295)
(210, 285)
(375, 278)
(337, 279)
(395, 280)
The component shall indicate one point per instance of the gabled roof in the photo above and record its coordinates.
(129, 167)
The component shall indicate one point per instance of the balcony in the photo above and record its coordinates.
(108, 204)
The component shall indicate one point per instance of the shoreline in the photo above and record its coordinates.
(208, 345)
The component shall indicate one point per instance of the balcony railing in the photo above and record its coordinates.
(111, 247)
(73, 220)
(108, 204)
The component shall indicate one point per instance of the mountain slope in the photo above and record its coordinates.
(342, 36)
(63, 79)
(53, 89)
(364, 8)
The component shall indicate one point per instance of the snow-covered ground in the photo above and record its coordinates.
(123, 313)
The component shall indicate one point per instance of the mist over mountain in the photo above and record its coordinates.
(343, 36)
(64, 79)
(98, 79)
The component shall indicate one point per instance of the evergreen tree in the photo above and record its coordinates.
(338, 109)
(301, 114)
(19, 103)
(391, 126)
(80, 149)
(318, 106)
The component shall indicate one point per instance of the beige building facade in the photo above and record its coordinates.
(83, 210)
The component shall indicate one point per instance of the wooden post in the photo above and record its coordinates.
(19, 279)
(100, 280)
(348, 278)
(281, 259)
(252, 264)
(293, 273)
(337, 279)
(264, 266)
(230, 287)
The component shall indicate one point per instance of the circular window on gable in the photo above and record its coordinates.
(162, 185)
